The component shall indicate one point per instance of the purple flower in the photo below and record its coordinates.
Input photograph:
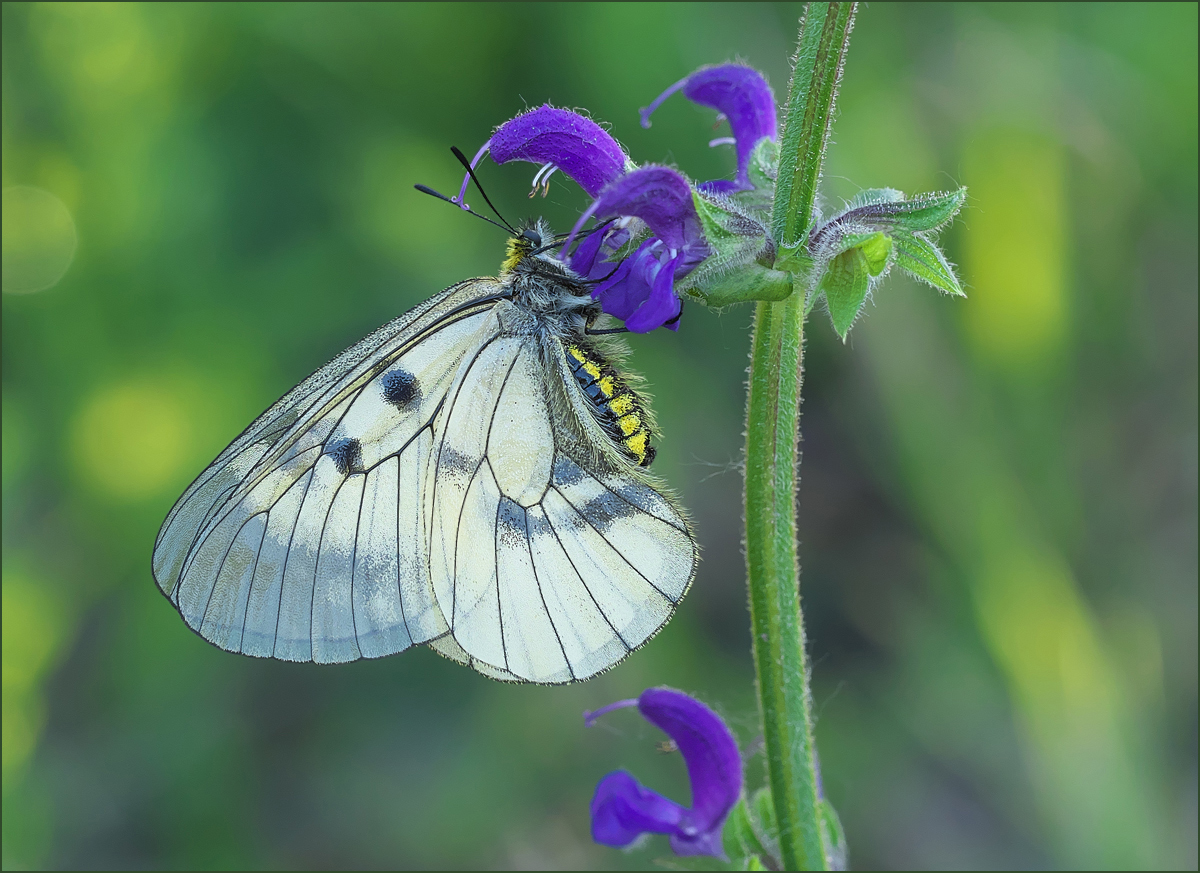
(623, 809)
(640, 290)
(559, 140)
(740, 94)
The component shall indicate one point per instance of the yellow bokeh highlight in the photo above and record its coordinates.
(130, 441)
(34, 627)
(1040, 631)
(106, 48)
(39, 239)
(1015, 267)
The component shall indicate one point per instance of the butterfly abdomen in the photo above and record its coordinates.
(619, 410)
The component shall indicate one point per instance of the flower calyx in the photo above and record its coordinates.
(847, 255)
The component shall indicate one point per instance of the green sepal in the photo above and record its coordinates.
(763, 167)
(832, 835)
(923, 260)
(739, 285)
(845, 283)
(924, 212)
(751, 836)
(727, 227)
(733, 272)
(739, 839)
(876, 248)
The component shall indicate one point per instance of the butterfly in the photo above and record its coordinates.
(472, 476)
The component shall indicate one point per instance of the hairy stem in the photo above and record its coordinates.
(772, 419)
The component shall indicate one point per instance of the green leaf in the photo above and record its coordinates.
(886, 207)
(845, 283)
(920, 258)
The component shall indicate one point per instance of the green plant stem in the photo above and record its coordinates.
(771, 454)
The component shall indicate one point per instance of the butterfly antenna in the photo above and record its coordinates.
(559, 237)
(462, 159)
(425, 189)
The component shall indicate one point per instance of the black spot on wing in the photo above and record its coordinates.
(400, 388)
(346, 455)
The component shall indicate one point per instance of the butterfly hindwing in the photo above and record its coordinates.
(550, 563)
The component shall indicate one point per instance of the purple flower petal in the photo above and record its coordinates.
(708, 748)
(721, 186)
(623, 809)
(661, 303)
(644, 283)
(659, 196)
(576, 145)
(738, 92)
(630, 283)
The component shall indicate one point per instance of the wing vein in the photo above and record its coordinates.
(613, 547)
(626, 501)
(496, 571)
(583, 582)
(353, 558)
(217, 576)
(538, 583)
(312, 602)
(438, 463)
(287, 556)
(253, 573)
(399, 591)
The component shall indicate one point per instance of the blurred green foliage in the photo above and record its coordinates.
(998, 500)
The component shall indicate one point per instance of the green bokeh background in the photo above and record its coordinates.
(998, 508)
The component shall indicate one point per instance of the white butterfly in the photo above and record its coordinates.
(470, 476)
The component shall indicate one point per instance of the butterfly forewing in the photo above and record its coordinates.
(290, 466)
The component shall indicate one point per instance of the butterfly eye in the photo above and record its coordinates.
(534, 237)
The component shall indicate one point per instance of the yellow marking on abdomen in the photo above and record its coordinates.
(616, 406)
(622, 404)
(637, 444)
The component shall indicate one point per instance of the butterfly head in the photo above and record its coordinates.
(528, 243)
